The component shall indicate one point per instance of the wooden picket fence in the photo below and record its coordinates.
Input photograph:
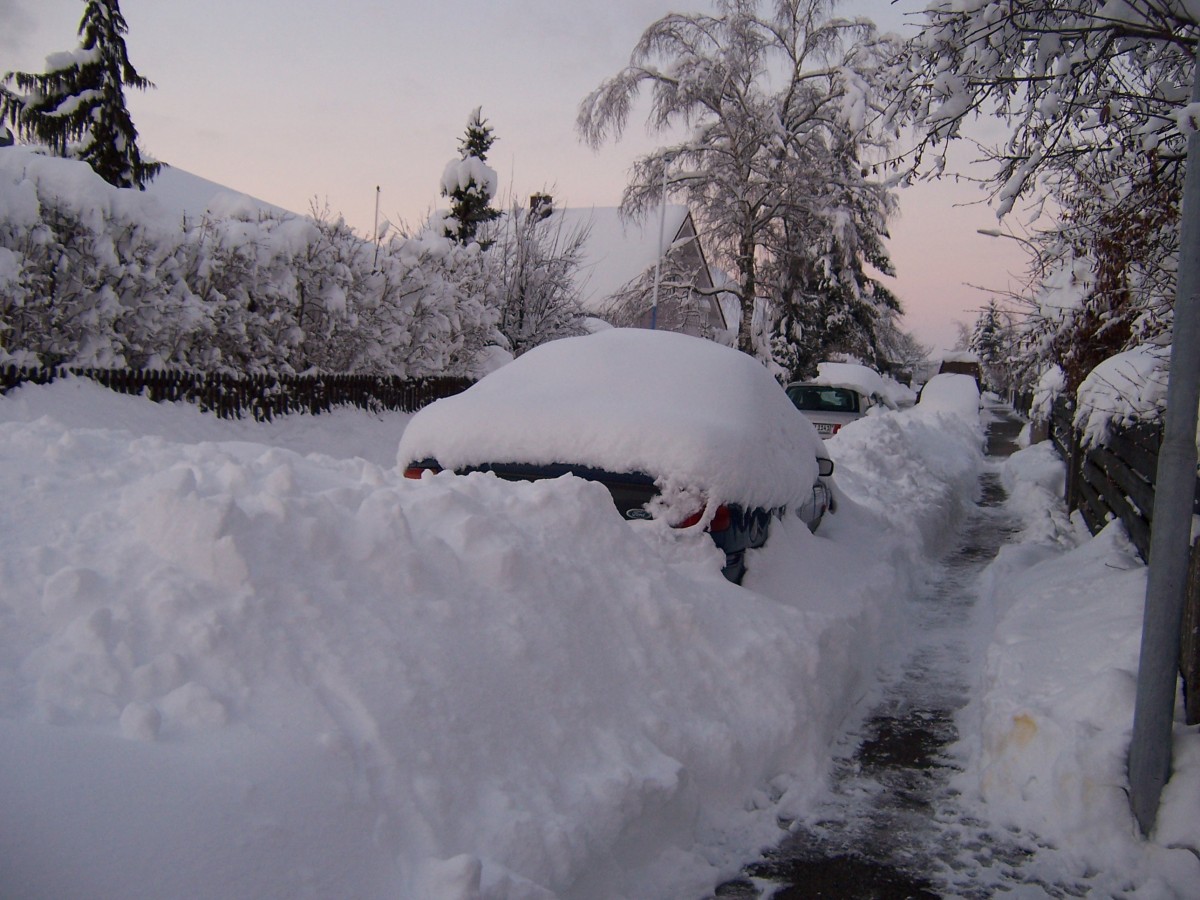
(1116, 480)
(262, 397)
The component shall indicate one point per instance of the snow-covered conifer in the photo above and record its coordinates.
(470, 183)
(77, 106)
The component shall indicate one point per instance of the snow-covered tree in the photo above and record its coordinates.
(900, 349)
(77, 106)
(776, 107)
(1094, 96)
(470, 183)
(534, 261)
(991, 341)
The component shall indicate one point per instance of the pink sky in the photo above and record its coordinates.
(296, 101)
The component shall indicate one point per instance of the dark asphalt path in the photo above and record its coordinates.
(892, 827)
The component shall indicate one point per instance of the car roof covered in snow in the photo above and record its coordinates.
(854, 376)
(693, 414)
(951, 392)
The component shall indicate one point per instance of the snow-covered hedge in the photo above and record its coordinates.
(94, 275)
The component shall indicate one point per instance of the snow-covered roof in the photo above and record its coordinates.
(689, 412)
(960, 356)
(174, 193)
(183, 194)
(618, 250)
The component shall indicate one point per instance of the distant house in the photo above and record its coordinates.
(616, 279)
(962, 363)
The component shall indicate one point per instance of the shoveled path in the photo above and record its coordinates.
(892, 827)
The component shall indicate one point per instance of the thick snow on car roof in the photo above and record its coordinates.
(851, 375)
(691, 413)
(951, 392)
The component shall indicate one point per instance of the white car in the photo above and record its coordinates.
(679, 429)
(841, 393)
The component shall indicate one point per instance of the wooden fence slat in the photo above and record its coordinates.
(1132, 448)
(1130, 483)
(1189, 652)
(1109, 501)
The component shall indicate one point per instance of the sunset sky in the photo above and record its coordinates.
(299, 101)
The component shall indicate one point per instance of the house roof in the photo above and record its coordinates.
(184, 194)
(617, 249)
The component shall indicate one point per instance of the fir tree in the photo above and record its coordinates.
(469, 183)
(989, 341)
(77, 107)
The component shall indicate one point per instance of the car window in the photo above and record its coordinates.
(817, 398)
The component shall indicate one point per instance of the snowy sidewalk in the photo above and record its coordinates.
(891, 826)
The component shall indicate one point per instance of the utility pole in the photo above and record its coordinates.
(1170, 540)
(662, 227)
(378, 190)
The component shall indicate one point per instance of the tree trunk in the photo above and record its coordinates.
(747, 291)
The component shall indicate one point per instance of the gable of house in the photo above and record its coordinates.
(617, 271)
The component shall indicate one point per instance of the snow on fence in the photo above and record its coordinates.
(261, 396)
(1116, 480)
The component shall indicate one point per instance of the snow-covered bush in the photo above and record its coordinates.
(1126, 389)
(94, 275)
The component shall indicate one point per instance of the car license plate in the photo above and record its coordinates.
(824, 429)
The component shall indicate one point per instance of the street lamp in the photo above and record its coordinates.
(662, 228)
(996, 232)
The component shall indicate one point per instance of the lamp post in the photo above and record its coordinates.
(1170, 538)
(662, 228)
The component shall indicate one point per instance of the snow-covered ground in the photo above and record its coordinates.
(248, 660)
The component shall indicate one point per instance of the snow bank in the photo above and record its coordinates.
(1056, 707)
(234, 667)
(916, 468)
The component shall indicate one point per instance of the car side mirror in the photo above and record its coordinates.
(824, 466)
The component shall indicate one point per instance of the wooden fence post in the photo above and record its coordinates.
(1189, 651)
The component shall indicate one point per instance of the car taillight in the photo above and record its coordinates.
(416, 470)
(721, 519)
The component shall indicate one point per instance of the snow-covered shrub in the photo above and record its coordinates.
(1126, 389)
(94, 275)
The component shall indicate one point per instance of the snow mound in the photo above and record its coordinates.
(689, 412)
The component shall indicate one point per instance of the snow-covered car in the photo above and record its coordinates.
(839, 394)
(952, 392)
(680, 430)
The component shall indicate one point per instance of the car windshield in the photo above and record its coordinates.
(818, 398)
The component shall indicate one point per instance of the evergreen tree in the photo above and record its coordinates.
(77, 107)
(989, 341)
(469, 183)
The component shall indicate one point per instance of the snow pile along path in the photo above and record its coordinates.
(230, 669)
(1056, 697)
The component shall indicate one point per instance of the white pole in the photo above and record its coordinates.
(1170, 536)
(662, 227)
(377, 191)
